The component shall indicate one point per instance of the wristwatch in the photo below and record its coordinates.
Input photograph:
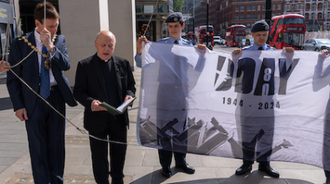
(52, 51)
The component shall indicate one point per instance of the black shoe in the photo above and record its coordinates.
(117, 181)
(186, 168)
(269, 170)
(245, 168)
(166, 172)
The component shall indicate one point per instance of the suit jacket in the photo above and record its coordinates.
(28, 70)
(90, 85)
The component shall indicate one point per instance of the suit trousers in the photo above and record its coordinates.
(46, 135)
(257, 139)
(165, 158)
(171, 122)
(116, 130)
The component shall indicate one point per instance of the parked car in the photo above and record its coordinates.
(217, 40)
(316, 44)
(247, 42)
(222, 41)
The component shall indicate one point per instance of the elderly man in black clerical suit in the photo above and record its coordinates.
(105, 78)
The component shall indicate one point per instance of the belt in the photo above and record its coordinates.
(53, 87)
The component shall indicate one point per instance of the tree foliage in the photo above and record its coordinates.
(177, 5)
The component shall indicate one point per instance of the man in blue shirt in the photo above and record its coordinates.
(254, 141)
(175, 25)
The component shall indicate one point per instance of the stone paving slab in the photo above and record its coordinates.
(20, 178)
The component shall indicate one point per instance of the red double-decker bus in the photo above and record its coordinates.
(203, 35)
(234, 35)
(287, 31)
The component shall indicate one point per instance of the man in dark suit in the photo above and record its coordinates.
(105, 78)
(45, 128)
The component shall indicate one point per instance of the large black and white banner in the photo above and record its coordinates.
(260, 105)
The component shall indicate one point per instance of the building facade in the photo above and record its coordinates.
(245, 12)
(224, 13)
(149, 10)
(316, 12)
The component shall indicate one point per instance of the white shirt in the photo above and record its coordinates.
(39, 47)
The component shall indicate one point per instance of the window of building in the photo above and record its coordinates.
(254, 8)
(148, 8)
(320, 6)
(328, 15)
(313, 16)
(258, 7)
(139, 9)
(319, 16)
(236, 17)
(258, 16)
(237, 9)
(248, 16)
(163, 9)
(242, 8)
(274, 7)
(249, 8)
(242, 16)
(263, 7)
(307, 16)
(263, 16)
(279, 7)
(313, 7)
(253, 16)
(248, 25)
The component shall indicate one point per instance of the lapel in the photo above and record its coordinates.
(118, 76)
(34, 56)
(95, 64)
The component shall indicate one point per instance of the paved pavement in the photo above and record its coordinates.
(142, 166)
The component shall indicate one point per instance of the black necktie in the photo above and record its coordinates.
(176, 42)
(260, 48)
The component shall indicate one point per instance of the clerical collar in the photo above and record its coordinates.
(102, 59)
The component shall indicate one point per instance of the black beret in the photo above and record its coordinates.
(260, 26)
(174, 17)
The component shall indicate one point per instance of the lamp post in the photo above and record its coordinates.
(325, 15)
(207, 22)
(268, 12)
(193, 16)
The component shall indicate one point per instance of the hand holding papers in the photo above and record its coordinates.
(115, 111)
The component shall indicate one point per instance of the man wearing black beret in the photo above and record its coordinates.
(256, 146)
